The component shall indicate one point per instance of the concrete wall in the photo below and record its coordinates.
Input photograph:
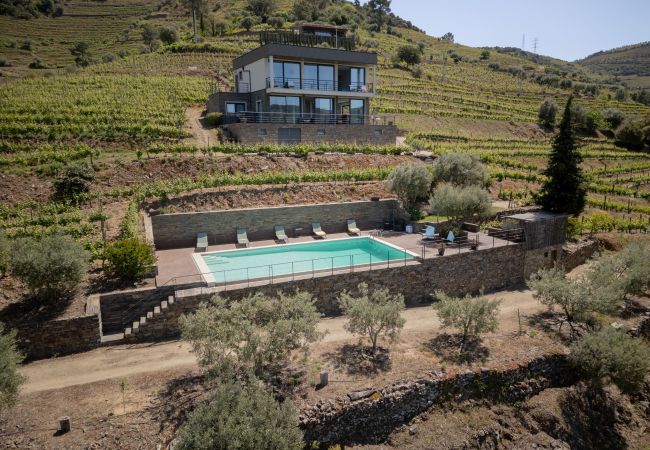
(489, 269)
(59, 337)
(179, 230)
(253, 133)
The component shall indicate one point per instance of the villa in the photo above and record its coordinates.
(309, 85)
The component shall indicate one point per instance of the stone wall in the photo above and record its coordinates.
(541, 258)
(180, 229)
(456, 274)
(267, 133)
(368, 416)
(576, 254)
(119, 309)
(59, 337)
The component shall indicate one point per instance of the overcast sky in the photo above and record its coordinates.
(566, 29)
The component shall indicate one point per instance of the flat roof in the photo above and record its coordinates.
(304, 53)
(534, 216)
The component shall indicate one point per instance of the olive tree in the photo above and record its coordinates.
(249, 335)
(242, 417)
(614, 117)
(458, 202)
(373, 313)
(51, 267)
(408, 54)
(630, 135)
(471, 315)
(410, 182)
(612, 356)
(10, 359)
(72, 181)
(547, 113)
(461, 169)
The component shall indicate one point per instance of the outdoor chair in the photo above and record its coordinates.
(450, 237)
(317, 230)
(429, 233)
(352, 227)
(280, 234)
(242, 237)
(201, 242)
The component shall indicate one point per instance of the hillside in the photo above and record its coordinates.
(630, 63)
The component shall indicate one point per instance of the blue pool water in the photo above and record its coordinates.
(284, 259)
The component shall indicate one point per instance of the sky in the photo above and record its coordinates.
(565, 29)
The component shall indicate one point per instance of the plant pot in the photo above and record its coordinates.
(441, 251)
(474, 247)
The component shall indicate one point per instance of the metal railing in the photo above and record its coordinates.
(318, 85)
(305, 39)
(306, 118)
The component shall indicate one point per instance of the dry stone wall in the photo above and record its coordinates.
(368, 416)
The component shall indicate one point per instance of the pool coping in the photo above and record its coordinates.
(208, 276)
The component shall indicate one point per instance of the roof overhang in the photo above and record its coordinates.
(305, 53)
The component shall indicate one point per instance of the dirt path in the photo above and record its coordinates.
(201, 136)
(124, 361)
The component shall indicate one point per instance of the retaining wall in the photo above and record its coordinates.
(59, 337)
(180, 229)
(119, 309)
(368, 417)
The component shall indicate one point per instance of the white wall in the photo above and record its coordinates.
(258, 74)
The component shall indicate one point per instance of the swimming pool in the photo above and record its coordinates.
(285, 259)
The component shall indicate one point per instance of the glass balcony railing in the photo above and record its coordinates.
(317, 85)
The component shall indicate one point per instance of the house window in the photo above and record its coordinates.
(286, 74)
(320, 132)
(284, 104)
(262, 132)
(235, 107)
(319, 77)
(379, 132)
(356, 110)
(258, 106)
(352, 79)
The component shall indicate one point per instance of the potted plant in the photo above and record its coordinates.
(441, 249)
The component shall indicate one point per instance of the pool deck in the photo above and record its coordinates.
(177, 266)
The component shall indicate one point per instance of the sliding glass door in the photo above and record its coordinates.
(284, 108)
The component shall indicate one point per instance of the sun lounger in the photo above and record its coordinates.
(317, 230)
(242, 237)
(352, 227)
(429, 234)
(450, 237)
(280, 234)
(201, 242)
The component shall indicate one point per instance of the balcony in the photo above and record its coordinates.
(306, 118)
(317, 85)
(306, 40)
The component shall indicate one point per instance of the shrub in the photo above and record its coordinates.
(37, 64)
(459, 202)
(276, 22)
(5, 253)
(167, 35)
(81, 53)
(547, 113)
(10, 378)
(108, 57)
(614, 117)
(261, 8)
(26, 45)
(51, 267)
(485, 55)
(472, 316)
(593, 121)
(213, 119)
(417, 71)
(129, 259)
(72, 181)
(410, 182)
(612, 356)
(247, 336)
(630, 136)
(408, 54)
(149, 34)
(373, 314)
(246, 415)
(460, 169)
(247, 23)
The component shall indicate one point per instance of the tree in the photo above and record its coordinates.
(408, 54)
(547, 113)
(461, 169)
(379, 11)
(168, 35)
(5, 254)
(593, 121)
(72, 181)
(129, 259)
(149, 34)
(373, 313)
(242, 417)
(248, 22)
(10, 378)
(276, 22)
(564, 191)
(630, 136)
(614, 117)
(217, 27)
(448, 37)
(612, 356)
(471, 315)
(261, 8)
(485, 55)
(306, 10)
(249, 335)
(81, 53)
(458, 202)
(410, 182)
(51, 267)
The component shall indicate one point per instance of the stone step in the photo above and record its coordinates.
(163, 305)
(135, 327)
(127, 332)
(149, 314)
(171, 300)
(143, 320)
(156, 310)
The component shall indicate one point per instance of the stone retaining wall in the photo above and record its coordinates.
(368, 416)
(120, 308)
(59, 337)
(574, 255)
(180, 229)
(456, 274)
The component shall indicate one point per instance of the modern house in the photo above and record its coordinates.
(309, 85)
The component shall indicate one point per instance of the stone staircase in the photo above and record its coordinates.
(156, 311)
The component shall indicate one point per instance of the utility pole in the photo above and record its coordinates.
(535, 46)
(194, 21)
(523, 42)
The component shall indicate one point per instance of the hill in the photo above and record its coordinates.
(630, 63)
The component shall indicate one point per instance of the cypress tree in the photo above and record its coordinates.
(564, 191)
